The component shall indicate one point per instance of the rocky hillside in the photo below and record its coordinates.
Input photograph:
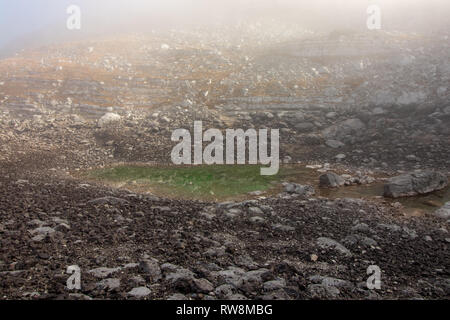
(376, 103)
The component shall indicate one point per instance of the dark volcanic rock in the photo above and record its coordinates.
(107, 200)
(151, 268)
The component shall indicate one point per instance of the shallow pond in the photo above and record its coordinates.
(219, 183)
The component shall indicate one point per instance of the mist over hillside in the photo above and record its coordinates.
(224, 150)
(27, 24)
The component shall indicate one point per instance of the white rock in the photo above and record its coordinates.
(108, 118)
(443, 212)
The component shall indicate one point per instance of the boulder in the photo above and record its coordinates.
(110, 284)
(77, 120)
(108, 118)
(303, 190)
(224, 291)
(43, 230)
(202, 286)
(331, 180)
(139, 292)
(151, 268)
(414, 184)
(344, 130)
(335, 144)
(304, 127)
(182, 279)
(378, 111)
(443, 212)
(328, 243)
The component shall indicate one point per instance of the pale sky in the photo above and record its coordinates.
(30, 18)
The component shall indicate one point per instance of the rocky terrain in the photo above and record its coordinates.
(376, 103)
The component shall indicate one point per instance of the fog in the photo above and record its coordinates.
(318, 14)
(25, 23)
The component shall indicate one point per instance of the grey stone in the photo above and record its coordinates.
(335, 144)
(43, 231)
(110, 284)
(358, 239)
(253, 280)
(245, 261)
(137, 281)
(139, 292)
(331, 179)
(334, 282)
(344, 130)
(232, 275)
(328, 243)
(443, 212)
(182, 279)
(331, 115)
(103, 272)
(257, 220)
(224, 291)
(38, 238)
(216, 252)
(283, 228)
(255, 210)
(409, 232)
(32, 295)
(177, 297)
(37, 222)
(151, 268)
(63, 227)
(304, 127)
(274, 285)
(108, 118)
(378, 111)
(361, 227)
(413, 184)
(107, 200)
(131, 265)
(303, 190)
(330, 282)
(390, 227)
(202, 286)
(232, 213)
(319, 291)
(169, 267)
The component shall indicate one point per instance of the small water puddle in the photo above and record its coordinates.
(412, 205)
